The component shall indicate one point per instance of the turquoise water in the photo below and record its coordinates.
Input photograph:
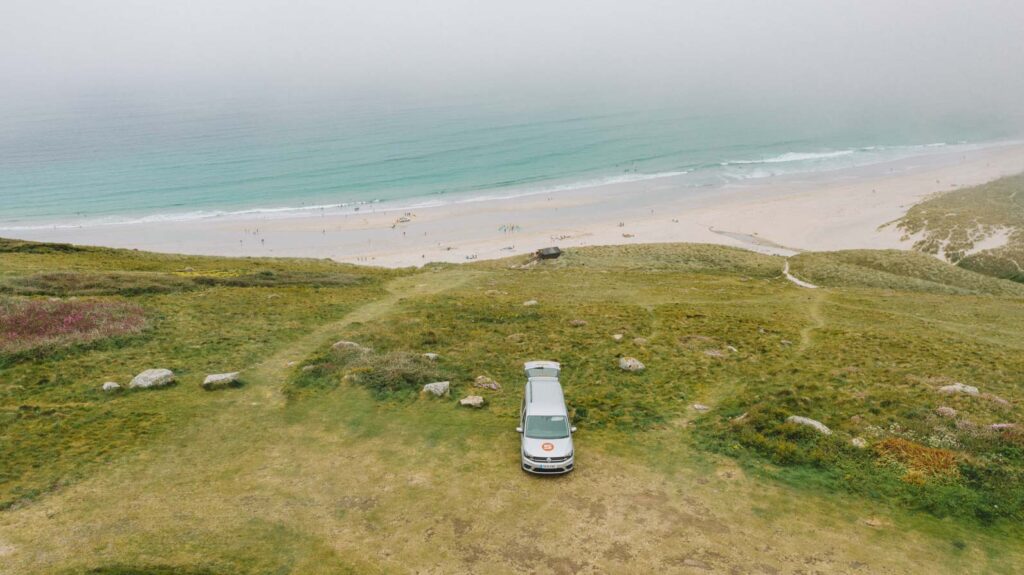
(103, 161)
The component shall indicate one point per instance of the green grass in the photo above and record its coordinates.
(55, 420)
(952, 223)
(896, 270)
(343, 467)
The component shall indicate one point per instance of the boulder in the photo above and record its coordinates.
(639, 341)
(472, 401)
(152, 378)
(801, 420)
(220, 380)
(111, 386)
(347, 345)
(958, 388)
(1002, 426)
(529, 303)
(631, 364)
(486, 383)
(578, 322)
(438, 388)
(945, 411)
(700, 407)
(309, 367)
(859, 442)
(431, 356)
(617, 336)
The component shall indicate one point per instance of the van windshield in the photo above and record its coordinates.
(546, 426)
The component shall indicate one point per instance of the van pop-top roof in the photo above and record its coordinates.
(544, 397)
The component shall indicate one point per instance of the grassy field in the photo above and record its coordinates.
(329, 461)
(955, 224)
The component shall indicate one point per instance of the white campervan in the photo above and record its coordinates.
(544, 421)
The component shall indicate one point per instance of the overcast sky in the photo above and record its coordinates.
(919, 54)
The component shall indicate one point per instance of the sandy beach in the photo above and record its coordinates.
(834, 210)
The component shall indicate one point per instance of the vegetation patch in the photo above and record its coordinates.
(95, 283)
(921, 461)
(272, 278)
(895, 270)
(392, 374)
(32, 325)
(954, 224)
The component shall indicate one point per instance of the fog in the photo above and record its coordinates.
(918, 56)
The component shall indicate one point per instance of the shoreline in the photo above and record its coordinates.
(818, 211)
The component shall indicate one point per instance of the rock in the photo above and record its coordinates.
(700, 407)
(958, 388)
(732, 349)
(348, 345)
(786, 342)
(739, 418)
(859, 442)
(486, 383)
(152, 378)
(639, 341)
(801, 420)
(220, 380)
(438, 388)
(617, 336)
(291, 364)
(1002, 426)
(530, 303)
(472, 401)
(111, 386)
(578, 322)
(309, 367)
(873, 522)
(945, 411)
(431, 356)
(631, 364)
(714, 353)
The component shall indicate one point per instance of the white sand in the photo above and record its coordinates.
(824, 211)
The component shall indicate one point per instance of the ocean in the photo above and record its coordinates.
(105, 161)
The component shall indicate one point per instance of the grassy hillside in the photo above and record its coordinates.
(328, 460)
(955, 225)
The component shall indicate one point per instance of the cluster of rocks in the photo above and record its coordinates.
(160, 377)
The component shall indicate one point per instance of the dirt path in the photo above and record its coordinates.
(817, 320)
(272, 372)
(794, 279)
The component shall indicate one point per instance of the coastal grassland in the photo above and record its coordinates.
(336, 464)
(953, 224)
(896, 270)
(55, 421)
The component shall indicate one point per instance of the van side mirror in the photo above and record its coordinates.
(572, 429)
(519, 430)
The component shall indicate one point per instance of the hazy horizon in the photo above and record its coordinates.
(923, 59)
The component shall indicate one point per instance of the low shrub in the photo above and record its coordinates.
(91, 283)
(393, 373)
